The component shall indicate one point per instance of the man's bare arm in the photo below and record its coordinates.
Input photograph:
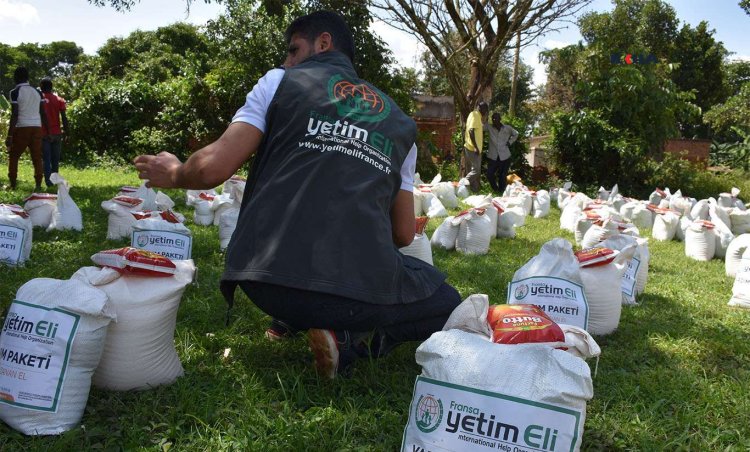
(207, 167)
(403, 223)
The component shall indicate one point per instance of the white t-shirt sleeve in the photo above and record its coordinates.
(258, 100)
(408, 168)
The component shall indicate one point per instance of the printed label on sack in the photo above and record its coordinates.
(562, 300)
(630, 277)
(34, 350)
(450, 417)
(169, 244)
(11, 244)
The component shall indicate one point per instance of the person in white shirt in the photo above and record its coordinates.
(27, 116)
(498, 153)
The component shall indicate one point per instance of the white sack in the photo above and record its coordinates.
(642, 217)
(603, 287)
(148, 195)
(96, 312)
(734, 254)
(139, 352)
(700, 242)
(419, 248)
(541, 204)
(741, 287)
(163, 202)
(67, 215)
(597, 233)
(227, 225)
(474, 233)
(740, 220)
(685, 223)
(445, 235)
(41, 207)
(665, 226)
(569, 217)
(10, 218)
(700, 210)
(462, 191)
(446, 193)
(120, 220)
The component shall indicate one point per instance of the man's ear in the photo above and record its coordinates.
(324, 43)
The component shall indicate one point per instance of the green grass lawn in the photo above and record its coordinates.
(673, 376)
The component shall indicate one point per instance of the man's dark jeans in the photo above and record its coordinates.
(497, 170)
(302, 309)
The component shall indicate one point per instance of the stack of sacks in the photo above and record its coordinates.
(67, 215)
(734, 254)
(228, 218)
(700, 240)
(602, 270)
(722, 232)
(420, 246)
(636, 274)
(16, 234)
(121, 221)
(145, 291)
(552, 281)
(741, 287)
(540, 203)
(202, 201)
(599, 231)
(71, 320)
(475, 231)
(41, 207)
(512, 378)
(666, 223)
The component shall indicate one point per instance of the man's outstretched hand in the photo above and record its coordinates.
(160, 170)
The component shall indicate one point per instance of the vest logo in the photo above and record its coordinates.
(358, 102)
(522, 291)
(429, 413)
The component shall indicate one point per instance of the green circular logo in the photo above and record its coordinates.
(429, 413)
(360, 102)
(142, 240)
(522, 291)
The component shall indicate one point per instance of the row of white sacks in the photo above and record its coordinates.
(123, 339)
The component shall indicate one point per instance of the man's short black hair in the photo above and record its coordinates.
(496, 115)
(46, 85)
(20, 75)
(483, 106)
(314, 24)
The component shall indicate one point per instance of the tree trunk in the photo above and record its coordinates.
(514, 85)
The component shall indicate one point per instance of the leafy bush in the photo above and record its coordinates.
(585, 148)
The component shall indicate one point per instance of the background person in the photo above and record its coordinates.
(27, 116)
(498, 152)
(54, 106)
(328, 201)
(473, 140)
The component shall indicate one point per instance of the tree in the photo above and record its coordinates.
(700, 72)
(484, 29)
(53, 59)
(745, 4)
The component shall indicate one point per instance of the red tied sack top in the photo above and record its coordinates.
(128, 189)
(499, 207)
(206, 196)
(421, 224)
(16, 210)
(522, 324)
(135, 261)
(705, 223)
(127, 201)
(661, 192)
(41, 197)
(593, 257)
(166, 215)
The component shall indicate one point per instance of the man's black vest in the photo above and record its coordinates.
(316, 209)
